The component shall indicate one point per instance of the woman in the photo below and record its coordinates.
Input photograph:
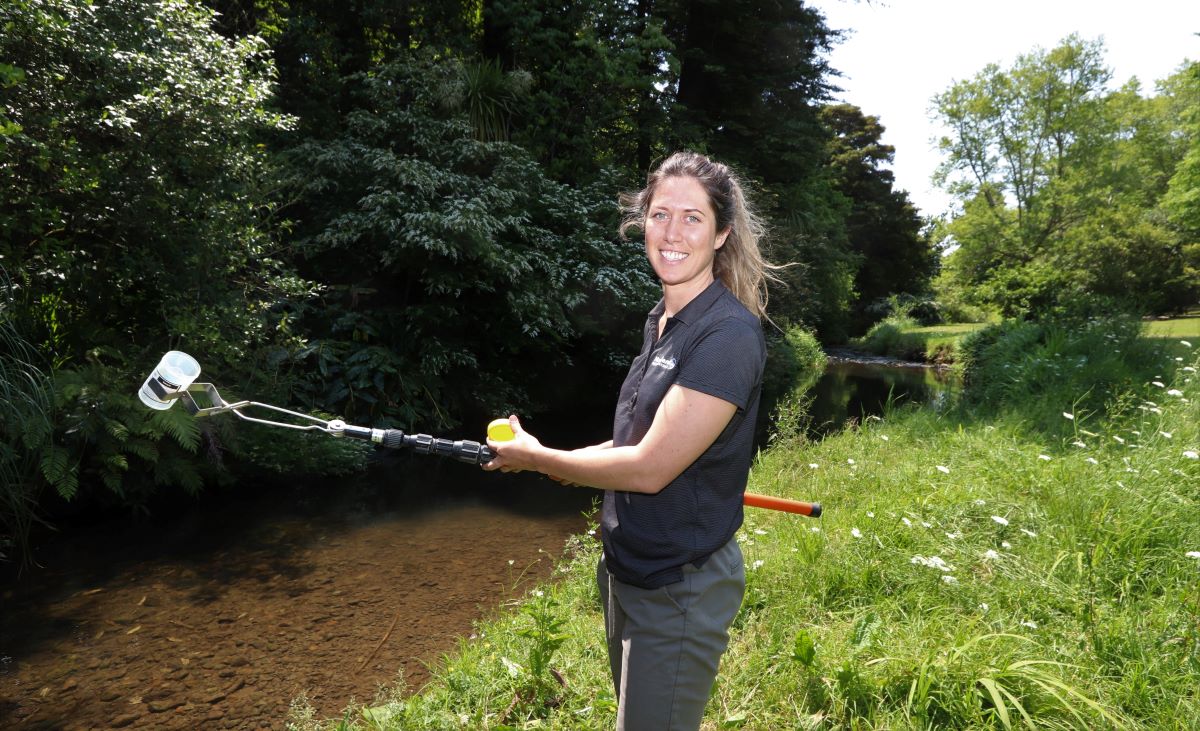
(672, 575)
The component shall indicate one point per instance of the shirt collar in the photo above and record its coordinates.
(700, 303)
(692, 310)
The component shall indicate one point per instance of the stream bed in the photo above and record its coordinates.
(221, 616)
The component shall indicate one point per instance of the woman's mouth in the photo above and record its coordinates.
(673, 255)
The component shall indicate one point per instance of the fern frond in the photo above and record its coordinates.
(181, 427)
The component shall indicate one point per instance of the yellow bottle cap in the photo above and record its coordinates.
(500, 431)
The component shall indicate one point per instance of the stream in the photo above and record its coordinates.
(220, 616)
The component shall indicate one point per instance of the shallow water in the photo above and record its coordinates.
(856, 386)
(220, 616)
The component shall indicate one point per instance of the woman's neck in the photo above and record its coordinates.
(677, 296)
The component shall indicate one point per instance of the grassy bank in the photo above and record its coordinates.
(905, 339)
(974, 569)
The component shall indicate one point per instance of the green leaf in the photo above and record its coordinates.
(803, 649)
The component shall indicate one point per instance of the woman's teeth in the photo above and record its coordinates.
(674, 255)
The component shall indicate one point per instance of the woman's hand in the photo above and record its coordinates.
(516, 454)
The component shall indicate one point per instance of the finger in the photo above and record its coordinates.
(515, 423)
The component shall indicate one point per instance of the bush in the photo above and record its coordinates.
(1044, 369)
(889, 337)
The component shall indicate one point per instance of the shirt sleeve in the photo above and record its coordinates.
(726, 362)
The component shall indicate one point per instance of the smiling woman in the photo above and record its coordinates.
(674, 473)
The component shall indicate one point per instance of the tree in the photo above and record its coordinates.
(1059, 180)
(1181, 202)
(593, 65)
(882, 227)
(133, 199)
(457, 276)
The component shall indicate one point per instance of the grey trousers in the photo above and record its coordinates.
(664, 644)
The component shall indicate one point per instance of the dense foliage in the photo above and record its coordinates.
(1069, 189)
(132, 211)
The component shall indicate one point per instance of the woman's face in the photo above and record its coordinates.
(681, 233)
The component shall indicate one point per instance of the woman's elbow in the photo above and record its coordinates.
(650, 484)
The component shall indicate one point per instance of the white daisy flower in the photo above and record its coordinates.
(1160, 384)
(813, 465)
(850, 461)
(948, 579)
(943, 469)
(1191, 454)
(1174, 392)
(1166, 434)
(1119, 439)
(1000, 520)
(1044, 457)
(1185, 343)
(856, 532)
(954, 536)
(870, 514)
(1069, 415)
(1092, 460)
(1029, 533)
(884, 437)
(1192, 554)
(906, 522)
(1029, 623)
(1005, 545)
(1079, 444)
(991, 555)
(756, 565)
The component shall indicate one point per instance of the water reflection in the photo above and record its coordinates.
(854, 387)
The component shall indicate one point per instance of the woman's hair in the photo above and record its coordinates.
(738, 264)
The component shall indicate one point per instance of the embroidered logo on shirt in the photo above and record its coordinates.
(661, 362)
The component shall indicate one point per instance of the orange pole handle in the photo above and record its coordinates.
(754, 500)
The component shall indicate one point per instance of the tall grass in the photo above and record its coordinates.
(977, 569)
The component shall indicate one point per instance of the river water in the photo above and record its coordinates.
(219, 616)
(855, 386)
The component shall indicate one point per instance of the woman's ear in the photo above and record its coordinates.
(721, 236)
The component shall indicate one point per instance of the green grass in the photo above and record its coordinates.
(902, 338)
(969, 573)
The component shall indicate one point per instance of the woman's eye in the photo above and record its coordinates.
(693, 219)
(658, 216)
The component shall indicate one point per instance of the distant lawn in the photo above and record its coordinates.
(1175, 332)
(1187, 326)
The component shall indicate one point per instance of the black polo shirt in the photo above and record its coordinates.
(713, 345)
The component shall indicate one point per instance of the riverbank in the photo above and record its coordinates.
(972, 570)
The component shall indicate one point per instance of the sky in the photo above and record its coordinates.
(898, 54)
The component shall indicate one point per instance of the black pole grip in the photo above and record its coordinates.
(462, 450)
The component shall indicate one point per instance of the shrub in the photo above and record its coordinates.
(1044, 369)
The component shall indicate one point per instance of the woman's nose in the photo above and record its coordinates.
(674, 230)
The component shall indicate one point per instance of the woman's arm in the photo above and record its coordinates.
(687, 423)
